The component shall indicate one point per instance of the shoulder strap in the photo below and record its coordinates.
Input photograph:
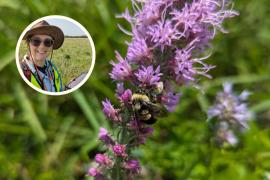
(28, 74)
(26, 71)
(58, 81)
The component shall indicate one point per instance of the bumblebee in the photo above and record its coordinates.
(146, 106)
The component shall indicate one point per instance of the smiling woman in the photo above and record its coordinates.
(36, 65)
(55, 55)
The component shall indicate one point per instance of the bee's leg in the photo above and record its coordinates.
(144, 112)
(150, 121)
(145, 117)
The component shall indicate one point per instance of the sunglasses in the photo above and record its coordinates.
(36, 42)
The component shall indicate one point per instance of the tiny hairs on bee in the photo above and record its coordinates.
(145, 105)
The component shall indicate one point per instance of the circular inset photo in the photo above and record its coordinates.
(55, 55)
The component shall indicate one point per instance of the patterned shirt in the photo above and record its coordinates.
(44, 75)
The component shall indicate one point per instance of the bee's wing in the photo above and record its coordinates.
(153, 106)
(163, 112)
(157, 109)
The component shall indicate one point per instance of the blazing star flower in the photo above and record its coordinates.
(103, 159)
(94, 172)
(148, 76)
(119, 150)
(193, 18)
(121, 71)
(103, 136)
(146, 130)
(200, 19)
(162, 34)
(144, 133)
(110, 112)
(185, 67)
(166, 50)
(123, 95)
(170, 99)
(120, 88)
(138, 52)
(126, 15)
(132, 165)
(126, 96)
(149, 14)
(133, 125)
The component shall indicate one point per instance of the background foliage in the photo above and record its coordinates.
(45, 137)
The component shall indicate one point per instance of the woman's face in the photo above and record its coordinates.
(40, 48)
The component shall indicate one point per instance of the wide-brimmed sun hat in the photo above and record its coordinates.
(44, 28)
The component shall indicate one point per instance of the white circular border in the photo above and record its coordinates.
(91, 44)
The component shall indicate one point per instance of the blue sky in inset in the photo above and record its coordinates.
(69, 28)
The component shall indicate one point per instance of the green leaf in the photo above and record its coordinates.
(8, 58)
(262, 106)
(55, 148)
(29, 114)
(87, 109)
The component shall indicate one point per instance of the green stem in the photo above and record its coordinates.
(117, 169)
(123, 136)
(122, 139)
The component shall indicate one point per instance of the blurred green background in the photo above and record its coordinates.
(44, 137)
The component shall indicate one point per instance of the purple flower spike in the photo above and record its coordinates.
(133, 125)
(110, 112)
(119, 150)
(147, 76)
(133, 166)
(194, 17)
(168, 39)
(96, 173)
(171, 100)
(138, 52)
(183, 66)
(149, 14)
(126, 96)
(103, 136)
(144, 133)
(121, 71)
(103, 160)
(93, 172)
(163, 33)
(146, 130)
(120, 89)
(102, 132)
(126, 15)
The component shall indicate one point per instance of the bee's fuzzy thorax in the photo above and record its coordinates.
(140, 97)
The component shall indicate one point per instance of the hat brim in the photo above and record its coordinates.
(55, 32)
